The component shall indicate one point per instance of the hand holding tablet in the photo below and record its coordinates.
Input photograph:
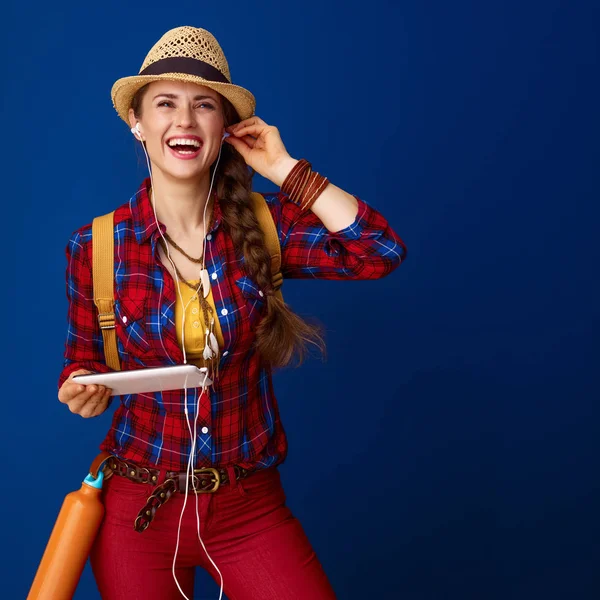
(85, 401)
(153, 379)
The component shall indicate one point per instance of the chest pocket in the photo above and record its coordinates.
(254, 300)
(131, 326)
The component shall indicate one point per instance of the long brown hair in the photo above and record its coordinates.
(282, 337)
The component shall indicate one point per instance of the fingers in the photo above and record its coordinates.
(102, 405)
(91, 400)
(247, 139)
(96, 404)
(254, 129)
(69, 389)
(89, 394)
(258, 143)
(243, 145)
(86, 401)
(253, 126)
(250, 121)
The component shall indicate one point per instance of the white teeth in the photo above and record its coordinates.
(184, 141)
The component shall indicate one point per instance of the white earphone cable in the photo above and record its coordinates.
(193, 435)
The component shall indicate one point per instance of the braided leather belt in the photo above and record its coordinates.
(206, 480)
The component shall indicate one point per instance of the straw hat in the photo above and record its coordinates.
(184, 54)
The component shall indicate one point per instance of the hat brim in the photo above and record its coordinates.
(124, 89)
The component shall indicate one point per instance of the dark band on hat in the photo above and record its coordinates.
(184, 64)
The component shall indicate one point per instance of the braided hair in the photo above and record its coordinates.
(282, 337)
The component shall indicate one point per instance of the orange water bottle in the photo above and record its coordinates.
(70, 541)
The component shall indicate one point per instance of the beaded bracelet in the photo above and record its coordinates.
(303, 185)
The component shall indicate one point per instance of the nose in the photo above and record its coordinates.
(185, 117)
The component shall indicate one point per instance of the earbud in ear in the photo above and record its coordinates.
(136, 131)
(225, 135)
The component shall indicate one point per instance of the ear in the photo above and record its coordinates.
(132, 119)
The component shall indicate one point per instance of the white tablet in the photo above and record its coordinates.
(152, 379)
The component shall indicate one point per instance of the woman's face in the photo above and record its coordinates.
(190, 113)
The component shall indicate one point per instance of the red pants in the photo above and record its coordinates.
(251, 535)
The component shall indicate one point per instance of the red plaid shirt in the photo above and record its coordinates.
(238, 421)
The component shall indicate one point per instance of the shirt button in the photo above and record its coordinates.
(196, 324)
(195, 310)
(224, 311)
(226, 353)
(124, 319)
(260, 293)
(214, 275)
(209, 237)
(205, 430)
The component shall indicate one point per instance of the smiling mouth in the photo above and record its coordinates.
(185, 149)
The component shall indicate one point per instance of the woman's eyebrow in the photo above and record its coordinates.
(174, 96)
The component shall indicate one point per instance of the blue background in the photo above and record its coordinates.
(448, 448)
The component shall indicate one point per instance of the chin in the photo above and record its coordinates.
(183, 174)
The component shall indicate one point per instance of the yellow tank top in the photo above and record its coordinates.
(195, 327)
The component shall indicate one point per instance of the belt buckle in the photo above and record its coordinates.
(216, 480)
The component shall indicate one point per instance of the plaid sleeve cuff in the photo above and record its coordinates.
(355, 230)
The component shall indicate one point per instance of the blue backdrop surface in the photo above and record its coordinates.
(448, 447)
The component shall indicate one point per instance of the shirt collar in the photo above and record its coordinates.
(142, 213)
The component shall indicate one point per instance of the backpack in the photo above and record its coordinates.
(103, 270)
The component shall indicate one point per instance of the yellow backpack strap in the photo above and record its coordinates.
(265, 220)
(103, 259)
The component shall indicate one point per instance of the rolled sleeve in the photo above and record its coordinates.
(368, 248)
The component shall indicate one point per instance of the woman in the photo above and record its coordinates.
(192, 215)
